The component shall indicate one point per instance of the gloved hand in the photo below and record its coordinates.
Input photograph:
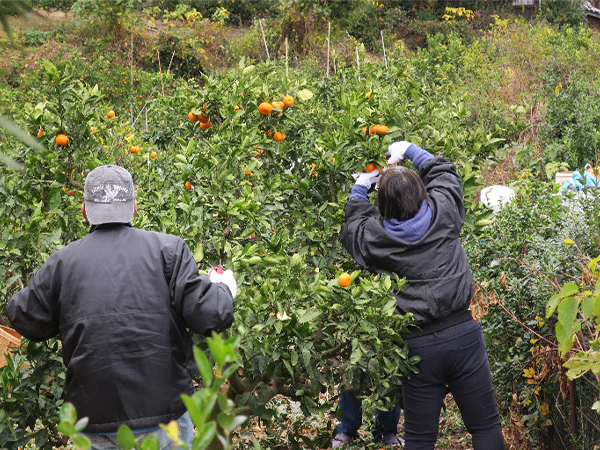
(366, 179)
(396, 151)
(218, 275)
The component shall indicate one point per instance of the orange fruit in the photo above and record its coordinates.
(368, 95)
(192, 117)
(344, 279)
(93, 131)
(364, 130)
(288, 101)
(236, 107)
(202, 118)
(253, 235)
(279, 136)
(371, 167)
(72, 192)
(62, 139)
(205, 125)
(259, 151)
(153, 155)
(135, 149)
(188, 185)
(278, 105)
(110, 114)
(381, 130)
(40, 133)
(265, 108)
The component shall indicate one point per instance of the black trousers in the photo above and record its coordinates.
(452, 359)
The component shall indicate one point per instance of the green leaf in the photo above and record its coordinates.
(204, 436)
(204, 366)
(54, 199)
(81, 442)
(67, 429)
(199, 253)
(81, 424)
(150, 443)
(305, 95)
(125, 438)
(67, 413)
(565, 328)
(567, 290)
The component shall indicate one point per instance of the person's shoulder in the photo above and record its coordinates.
(157, 236)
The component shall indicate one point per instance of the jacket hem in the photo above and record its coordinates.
(439, 324)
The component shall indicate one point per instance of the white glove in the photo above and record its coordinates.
(366, 179)
(218, 275)
(396, 151)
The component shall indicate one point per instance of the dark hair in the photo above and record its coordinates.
(401, 193)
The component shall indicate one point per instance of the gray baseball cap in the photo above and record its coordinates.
(109, 195)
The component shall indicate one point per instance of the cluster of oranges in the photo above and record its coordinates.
(205, 122)
(265, 108)
(377, 129)
(134, 149)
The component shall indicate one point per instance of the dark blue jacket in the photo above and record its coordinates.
(439, 281)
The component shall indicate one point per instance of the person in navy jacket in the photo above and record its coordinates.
(414, 232)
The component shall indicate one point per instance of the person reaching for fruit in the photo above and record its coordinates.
(122, 300)
(414, 233)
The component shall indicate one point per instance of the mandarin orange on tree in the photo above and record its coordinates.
(279, 136)
(110, 114)
(288, 101)
(205, 125)
(371, 167)
(265, 108)
(344, 279)
(192, 117)
(62, 139)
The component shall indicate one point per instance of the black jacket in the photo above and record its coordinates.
(121, 299)
(439, 281)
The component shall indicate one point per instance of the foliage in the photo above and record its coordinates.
(561, 13)
(518, 262)
(112, 13)
(204, 406)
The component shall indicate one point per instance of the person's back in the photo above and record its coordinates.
(121, 300)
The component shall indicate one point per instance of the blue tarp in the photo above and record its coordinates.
(579, 181)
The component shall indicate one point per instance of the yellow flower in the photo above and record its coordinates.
(529, 372)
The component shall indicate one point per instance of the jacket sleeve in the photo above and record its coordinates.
(358, 213)
(204, 306)
(444, 185)
(34, 311)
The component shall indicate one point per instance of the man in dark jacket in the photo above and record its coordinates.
(121, 300)
(415, 233)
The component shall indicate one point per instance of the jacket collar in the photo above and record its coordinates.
(105, 226)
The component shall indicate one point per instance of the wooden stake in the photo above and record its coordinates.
(358, 63)
(384, 55)
(286, 58)
(328, 44)
(131, 78)
(264, 39)
(161, 75)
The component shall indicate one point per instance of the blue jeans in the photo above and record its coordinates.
(455, 360)
(109, 441)
(351, 417)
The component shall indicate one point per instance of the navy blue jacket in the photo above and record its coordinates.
(439, 281)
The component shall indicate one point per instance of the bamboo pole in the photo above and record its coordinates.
(384, 55)
(161, 75)
(264, 39)
(131, 78)
(328, 44)
(286, 59)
